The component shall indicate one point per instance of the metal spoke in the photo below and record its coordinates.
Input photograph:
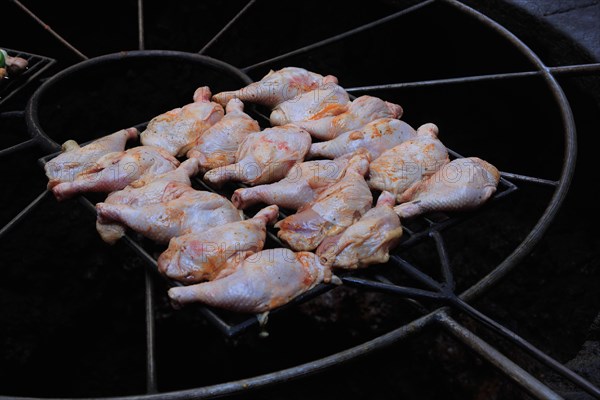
(390, 288)
(444, 260)
(226, 27)
(13, 222)
(150, 359)
(21, 146)
(50, 30)
(340, 36)
(140, 8)
(531, 179)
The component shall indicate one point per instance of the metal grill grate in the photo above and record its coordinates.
(36, 66)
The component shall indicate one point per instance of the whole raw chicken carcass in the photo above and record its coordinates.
(334, 209)
(407, 164)
(116, 170)
(326, 101)
(217, 146)
(277, 87)
(150, 190)
(212, 254)
(265, 157)
(367, 241)
(299, 187)
(262, 282)
(74, 159)
(186, 211)
(377, 137)
(462, 184)
(360, 112)
(178, 129)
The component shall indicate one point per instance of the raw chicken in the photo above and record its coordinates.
(299, 187)
(407, 164)
(277, 87)
(116, 170)
(151, 190)
(74, 159)
(377, 137)
(178, 129)
(11, 65)
(334, 209)
(212, 254)
(186, 211)
(265, 157)
(368, 241)
(462, 184)
(262, 282)
(219, 143)
(326, 101)
(360, 112)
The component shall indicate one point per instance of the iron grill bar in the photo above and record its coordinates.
(523, 378)
(530, 179)
(150, 342)
(140, 10)
(579, 69)
(50, 30)
(444, 260)
(390, 288)
(26, 211)
(17, 147)
(226, 27)
(340, 36)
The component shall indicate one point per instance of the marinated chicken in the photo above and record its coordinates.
(217, 146)
(11, 65)
(462, 184)
(265, 157)
(262, 282)
(212, 254)
(406, 165)
(178, 129)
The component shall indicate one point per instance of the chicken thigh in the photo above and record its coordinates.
(219, 143)
(334, 209)
(212, 254)
(407, 164)
(277, 87)
(368, 241)
(377, 137)
(360, 112)
(176, 130)
(265, 157)
(116, 170)
(462, 184)
(262, 282)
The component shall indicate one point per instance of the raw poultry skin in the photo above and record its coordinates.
(377, 137)
(406, 165)
(368, 241)
(74, 159)
(299, 187)
(277, 87)
(212, 254)
(335, 209)
(178, 129)
(462, 184)
(151, 190)
(217, 146)
(116, 170)
(262, 282)
(360, 112)
(265, 157)
(186, 211)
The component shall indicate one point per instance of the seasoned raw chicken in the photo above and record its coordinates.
(334, 209)
(407, 164)
(149, 190)
(277, 87)
(187, 210)
(265, 157)
(11, 65)
(116, 170)
(262, 282)
(326, 101)
(74, 159)
(299, 187)
(360, 112)
(219, 143)
(368, 241)
(178, 129)
(212, 254)
(462, 184)
(377, 137)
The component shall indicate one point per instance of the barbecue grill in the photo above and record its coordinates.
(421, 272)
